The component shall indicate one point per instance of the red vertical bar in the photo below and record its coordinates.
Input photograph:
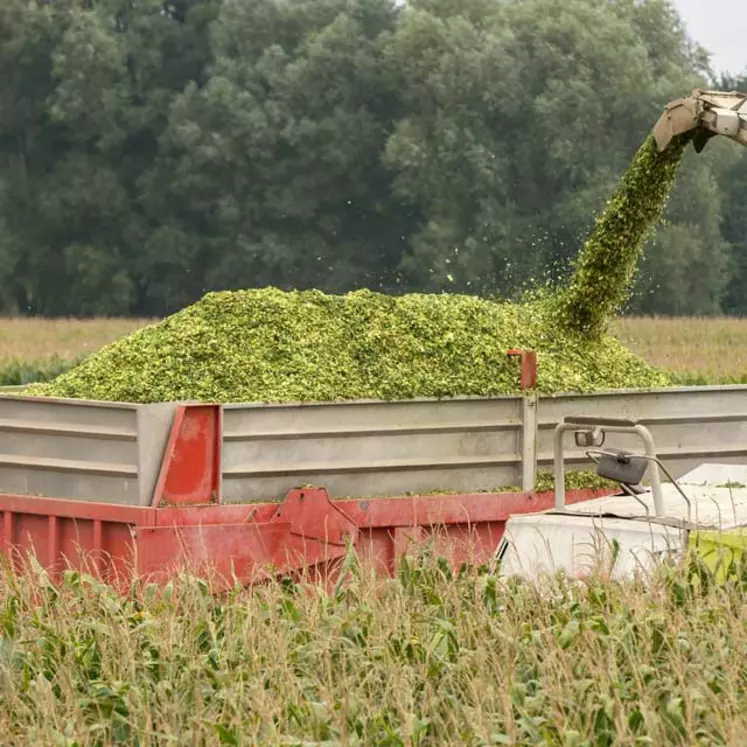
(529, 370)
(528, 367)
(7, 533)
(97, 546)
(405, 539)
(52, 545)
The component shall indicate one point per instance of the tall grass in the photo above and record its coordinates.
(422, 659)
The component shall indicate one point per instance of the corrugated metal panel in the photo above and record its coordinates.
(113, 452)
(371, 448)
(690, 426)
(87, 451)
(376, 448)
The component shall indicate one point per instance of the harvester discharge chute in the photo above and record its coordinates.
(711, 113)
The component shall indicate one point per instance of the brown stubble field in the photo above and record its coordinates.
(713, 347)
(39, 340)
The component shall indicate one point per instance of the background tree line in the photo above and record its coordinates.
(151, 150)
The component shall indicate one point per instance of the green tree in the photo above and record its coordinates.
(451, 148)
(88, 91)
(733, 186)
(151, 150)
(28, 140)
(271, 173)
(735, 232)
(521, 117)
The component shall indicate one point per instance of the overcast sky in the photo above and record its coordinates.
(721, 27)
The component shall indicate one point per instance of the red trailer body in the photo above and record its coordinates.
(188, 527)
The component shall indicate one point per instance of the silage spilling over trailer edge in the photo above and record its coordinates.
(273, 346)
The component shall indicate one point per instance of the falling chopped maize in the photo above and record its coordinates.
(606, 265)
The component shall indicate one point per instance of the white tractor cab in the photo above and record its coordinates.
(626, 534)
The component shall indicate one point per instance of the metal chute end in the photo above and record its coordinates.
(710, 112)
(679, 116)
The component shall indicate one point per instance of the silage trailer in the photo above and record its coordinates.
(240, 491)
(243, 490)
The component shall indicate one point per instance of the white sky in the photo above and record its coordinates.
(721, 27)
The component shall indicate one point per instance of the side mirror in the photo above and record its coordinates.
(622, 467)
(589, 438)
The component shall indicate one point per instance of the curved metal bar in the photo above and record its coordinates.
(607, 426)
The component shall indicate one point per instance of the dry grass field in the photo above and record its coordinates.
(713, 347)
(39, 340)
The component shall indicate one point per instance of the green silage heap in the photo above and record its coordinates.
(273, 346)
(607, 262)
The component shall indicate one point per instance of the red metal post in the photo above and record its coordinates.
(52, 548)
(528, 360)
(8, 533)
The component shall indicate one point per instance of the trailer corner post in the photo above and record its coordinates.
(528, 360)
(653, 468)
(528, 383)
(529, 424)
(558, 466)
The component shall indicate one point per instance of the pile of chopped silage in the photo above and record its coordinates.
(268, 345)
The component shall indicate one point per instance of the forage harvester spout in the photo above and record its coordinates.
(710, 113)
